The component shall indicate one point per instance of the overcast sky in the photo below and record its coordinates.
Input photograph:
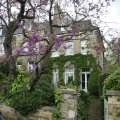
(113, 17)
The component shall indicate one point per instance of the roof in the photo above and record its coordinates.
(83, 25)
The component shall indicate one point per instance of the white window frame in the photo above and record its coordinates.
(55, 76)
(68, 72)
(30, 66)
(19, 65)
(0, 32)
(86, 80)
(1, 49)
(69, 50)
(84, 48)
(55, 53)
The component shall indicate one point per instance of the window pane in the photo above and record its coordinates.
(84, 48)
(31, 62)
(69, 50)
(83, 85)
(19, 63)
(83, 77)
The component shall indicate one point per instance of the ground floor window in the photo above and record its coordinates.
(69, 75)
(55, 76)
(84, 78)
(19, 64)
(30, 65)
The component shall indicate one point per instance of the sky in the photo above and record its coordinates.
(113, 18)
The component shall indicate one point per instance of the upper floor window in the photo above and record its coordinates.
(84, 48)
(69, 75)
(1, 49)
(25, 47)
(69, 48)
(55, 76)
(55, 53)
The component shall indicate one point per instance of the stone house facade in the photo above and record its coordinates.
(82, 43)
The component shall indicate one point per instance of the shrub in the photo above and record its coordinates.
(112, 82)
(101, 83)
(82, 106)
(18, 96)
(4, 68)
(93, 82)
(25, 101)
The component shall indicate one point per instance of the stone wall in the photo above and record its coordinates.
(68, 104)
(68, 109)
(44, 113)
(113, 105)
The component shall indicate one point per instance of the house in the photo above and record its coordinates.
(78, 62)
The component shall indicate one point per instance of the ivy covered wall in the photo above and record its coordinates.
(79, 61)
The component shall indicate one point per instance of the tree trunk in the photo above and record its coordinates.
(8, 47)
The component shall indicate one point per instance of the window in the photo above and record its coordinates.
(84, 79)
(69, 75)
(25, 47)
(30, 65)
(69, 50)
(84, 49)
(0, 31)
(1, 49)
(55, 53)
(19, 64)
(55, 76)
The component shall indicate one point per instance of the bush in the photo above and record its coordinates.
(112, 82)
(82, 106)
(101, 83)
(93, 82)
(18, 95)
(4, 68)
(26, 101)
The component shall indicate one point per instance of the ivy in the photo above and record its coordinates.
(78, 60)
(58, 99)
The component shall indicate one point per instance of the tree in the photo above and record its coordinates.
(38, 11)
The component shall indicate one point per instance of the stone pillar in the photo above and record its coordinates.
(68, 104)
(113, 105)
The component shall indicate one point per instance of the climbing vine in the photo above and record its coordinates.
(78, 60)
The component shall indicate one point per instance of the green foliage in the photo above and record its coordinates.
(26, 101)
(93, 82)
(18, 96)
(101, 83)
(112, 82)
(4, 68)
(58, 99)
(78, 60)
(82, 106)
(21, 82)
